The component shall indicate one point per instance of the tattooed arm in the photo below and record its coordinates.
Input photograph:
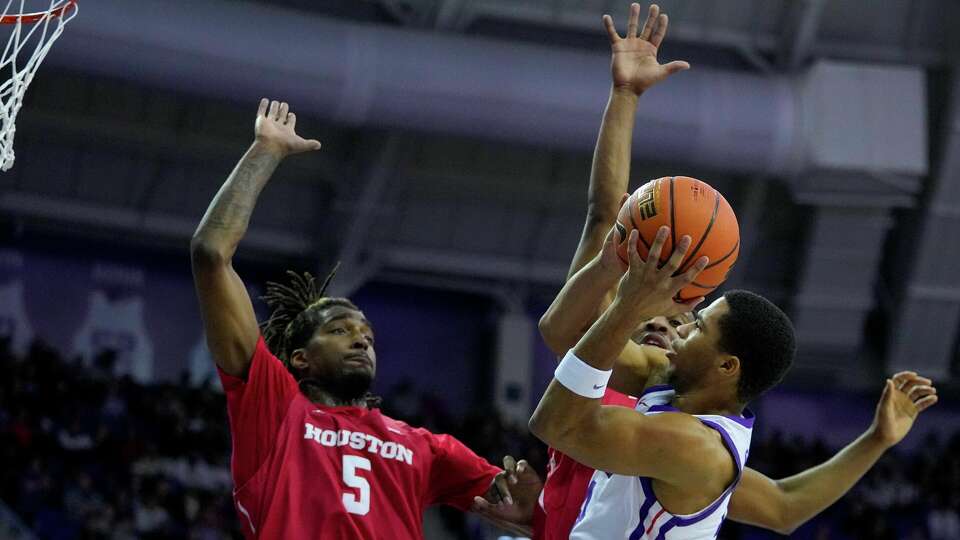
(228, 317)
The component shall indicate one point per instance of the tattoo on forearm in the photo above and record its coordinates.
(232, 206)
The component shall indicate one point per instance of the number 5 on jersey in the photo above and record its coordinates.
(354, 504)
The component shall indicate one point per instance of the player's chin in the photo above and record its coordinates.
(357, 364)
(358, 373)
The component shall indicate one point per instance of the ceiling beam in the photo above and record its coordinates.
(73, 213)
(798, 40)
(359, 264)
(453, 15)
(485, 266)
(925, 321)
(149, 139)
(699, 34)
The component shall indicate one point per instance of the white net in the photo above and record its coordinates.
(32, 28)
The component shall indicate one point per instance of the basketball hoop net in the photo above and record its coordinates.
(32, 33)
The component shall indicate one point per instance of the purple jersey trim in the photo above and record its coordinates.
(728, 441)
(732, 448)
(656, 388)
(646, 484)
(746, 420)
(586, 502)
(663, 408)
(671, 523)
(676, 521)
(716, 534)
(645, 507)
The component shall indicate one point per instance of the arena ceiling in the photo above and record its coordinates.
(114, 154)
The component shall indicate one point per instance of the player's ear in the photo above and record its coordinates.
(297, 359)
(729, 365)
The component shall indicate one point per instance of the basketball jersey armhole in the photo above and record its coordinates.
(729, 445)
(732, 450)
(689, 519)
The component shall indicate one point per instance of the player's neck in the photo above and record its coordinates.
(320, 396)
(707, 401)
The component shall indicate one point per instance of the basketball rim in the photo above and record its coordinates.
(30, 18)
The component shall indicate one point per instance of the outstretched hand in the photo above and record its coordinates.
(275, 127)
(634, 64)
(904, 397)
(655, 286)
(509, 502)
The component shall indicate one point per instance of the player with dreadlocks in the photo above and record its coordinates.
(298, 309)
(312, 456)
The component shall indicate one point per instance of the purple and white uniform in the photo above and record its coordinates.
(625, 507)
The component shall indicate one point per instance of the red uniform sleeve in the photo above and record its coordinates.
(457, 475)
(256, 409)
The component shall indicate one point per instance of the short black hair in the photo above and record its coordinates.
(761, 335)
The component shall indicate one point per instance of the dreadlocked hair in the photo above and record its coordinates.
(296, 311)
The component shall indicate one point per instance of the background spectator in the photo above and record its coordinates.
(90, 457)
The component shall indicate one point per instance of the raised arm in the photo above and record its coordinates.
(671, 447)
(228, 317)
(572, 313)
(783, 505)
(575, 307)
(634, 69)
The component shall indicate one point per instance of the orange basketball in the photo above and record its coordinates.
(689, 207)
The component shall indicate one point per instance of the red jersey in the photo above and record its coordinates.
(566, 486)
(303, 470)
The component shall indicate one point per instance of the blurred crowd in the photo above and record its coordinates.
(87, 455)
(90, 456)
(904, 497)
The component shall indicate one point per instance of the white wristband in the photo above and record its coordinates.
(581, 378)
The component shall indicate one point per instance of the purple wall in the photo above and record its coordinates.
(839, 418)
(79, 301)
(442, 342)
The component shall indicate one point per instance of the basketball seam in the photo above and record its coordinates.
(706, 232)
(725, 257)
(640, 234)
(673, 227)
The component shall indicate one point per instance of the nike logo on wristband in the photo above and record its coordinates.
(598, 386)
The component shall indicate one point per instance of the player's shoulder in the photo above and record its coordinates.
(399, 427)
(396, 424)
(264, 356)
(696, 451)
(686, 433)
(265, 373)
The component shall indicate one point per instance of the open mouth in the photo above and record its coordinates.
(655, 340)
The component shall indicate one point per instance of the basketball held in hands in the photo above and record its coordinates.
(689, 207)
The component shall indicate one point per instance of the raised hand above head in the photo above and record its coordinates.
(634, 64)
(276, 127)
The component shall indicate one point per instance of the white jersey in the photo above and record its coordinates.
(625, 507)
